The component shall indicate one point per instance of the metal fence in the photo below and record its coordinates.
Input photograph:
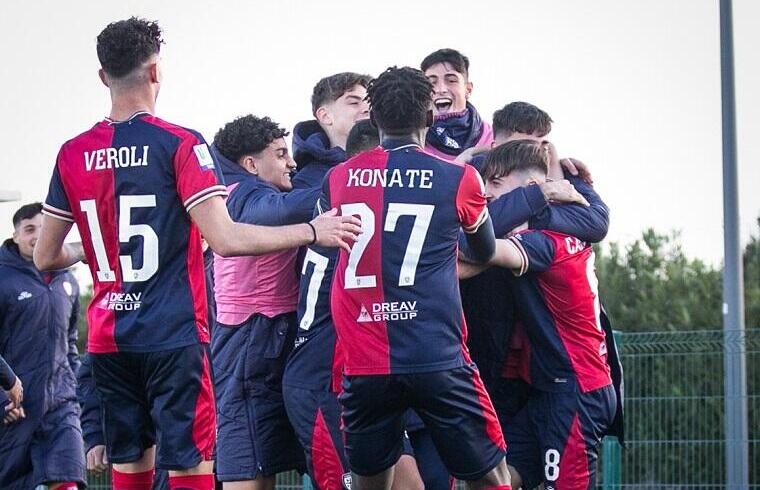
(674, 414)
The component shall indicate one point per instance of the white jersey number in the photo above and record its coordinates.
(315, 282)
(422, 213)
(127, 230)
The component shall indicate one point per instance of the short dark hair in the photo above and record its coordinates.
(27, 211)
(400, 99)
(457, 60)
(521, 117)
(126, 44)
(362, 137)
(247, 135)
(514, 156)
(331, 88)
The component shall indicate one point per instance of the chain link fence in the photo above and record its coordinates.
(674, 415)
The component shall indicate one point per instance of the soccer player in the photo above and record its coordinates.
(337, 103)
(142, 191)
(395, 300)
(488, 306)
(457, 125)
(256, 308)
(554, 438)
(41, 440)
(311, 381)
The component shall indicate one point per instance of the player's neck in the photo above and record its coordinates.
(417, 138)
(335, 139)
(125, 104)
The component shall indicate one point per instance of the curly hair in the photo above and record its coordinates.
(400, 99)
(247, 135)
(362, 137)
(514, 156)
(457, 60)
(521, 117)
(331, 88)
(126, 44)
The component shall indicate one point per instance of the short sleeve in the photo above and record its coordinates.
(471, 200)
(537, 251)
(195, 170)
(57, 203)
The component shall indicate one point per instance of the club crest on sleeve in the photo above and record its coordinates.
(205, 160)
(347, 481)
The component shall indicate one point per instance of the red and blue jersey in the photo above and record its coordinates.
(316, 363)
(558, 302)
(129, 186)
(395, 298)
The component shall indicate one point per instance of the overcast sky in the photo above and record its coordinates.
(633, 86)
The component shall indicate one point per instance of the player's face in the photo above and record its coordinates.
(498, 186)
(350, 107)
(500, 138)
(26, 234)
(450, 89)
(274, 165)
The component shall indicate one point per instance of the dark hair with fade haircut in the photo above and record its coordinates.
(27, 211)
(247, 135)
(521, 117)
(362, 137)
(399, 100)
(126, 44)
(457, 60)
(331, 88)
(514, 156)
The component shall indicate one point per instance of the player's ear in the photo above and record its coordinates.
(468, 90)
(249, 164)
(154, 72)
(103, 77)
(15, 236)
(324, 116)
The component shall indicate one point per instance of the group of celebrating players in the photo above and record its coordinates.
(383, 307)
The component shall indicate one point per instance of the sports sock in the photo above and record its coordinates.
(192, 482)
(132, 481)
(63, 485)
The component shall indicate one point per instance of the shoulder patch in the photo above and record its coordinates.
(203, 154)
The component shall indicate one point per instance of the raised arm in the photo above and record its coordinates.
(589, 223)
(228, 238)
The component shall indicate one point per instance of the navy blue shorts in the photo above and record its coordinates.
(163, 398)
(316, 418)
(254, 435)
(46, 448)
(554, 438)
(453, 404)
(509, 396)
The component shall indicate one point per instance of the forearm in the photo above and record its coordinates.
(589, 223)
(66, 256)
(515, 208)
(466, 270)
(7, 376)
(481, 243)
(244, 239)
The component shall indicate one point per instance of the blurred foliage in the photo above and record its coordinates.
(650, 285)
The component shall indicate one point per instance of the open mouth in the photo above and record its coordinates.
(443, 104)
